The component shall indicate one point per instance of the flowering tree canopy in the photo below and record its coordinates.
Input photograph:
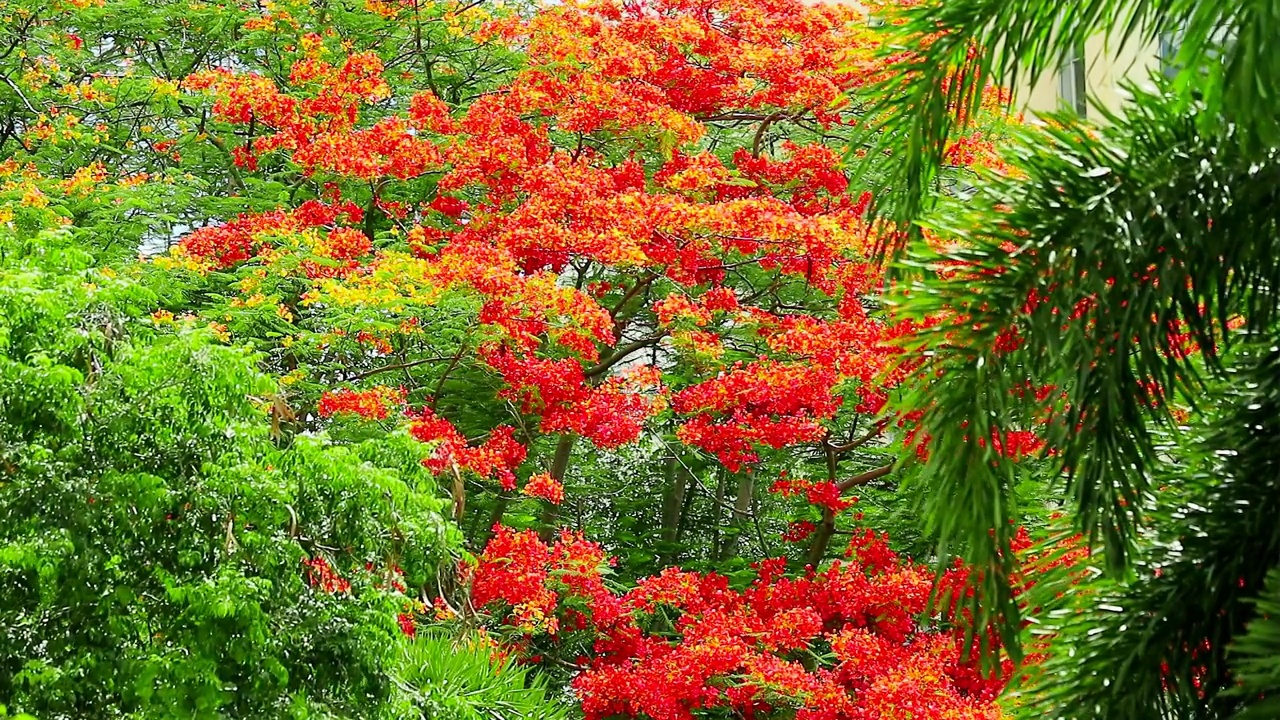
(640, 231)
(578, 265)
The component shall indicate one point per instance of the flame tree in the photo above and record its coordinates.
(579, 265)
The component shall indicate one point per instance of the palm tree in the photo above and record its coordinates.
(1089, 274)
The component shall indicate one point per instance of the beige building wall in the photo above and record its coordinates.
(1108, 65)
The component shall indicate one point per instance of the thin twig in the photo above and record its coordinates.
(14, 86)
(397, 366)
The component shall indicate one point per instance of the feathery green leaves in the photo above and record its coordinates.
(1159, 645)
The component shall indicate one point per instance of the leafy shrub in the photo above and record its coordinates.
(154, 522)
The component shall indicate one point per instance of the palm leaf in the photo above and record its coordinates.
(1132, 241)
(958, 47)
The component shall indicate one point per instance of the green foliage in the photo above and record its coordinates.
(1098, 231)
(152, 529)
(1159, 643)
(161, 488)
(445, 679)
(1225, 60)
(121, 65)
(1254, 655)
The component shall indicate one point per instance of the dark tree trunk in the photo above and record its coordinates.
(673, 503)
(559, 465)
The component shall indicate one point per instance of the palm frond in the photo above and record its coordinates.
(1255, 656)
(1159, 645)
(1090, 274)
(958, 47)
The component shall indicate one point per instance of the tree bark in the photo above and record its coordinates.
(718, 515)
(741, 515)
(690, 493)
(672, 506)
(827, 528)
(822, 536)
(559, 465)
(866, 477)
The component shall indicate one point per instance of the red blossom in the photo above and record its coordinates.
(731, 648)
(376, 403)
(798, 531)
(407, 624)
(545, 487)
(497, 457)
(320, 574)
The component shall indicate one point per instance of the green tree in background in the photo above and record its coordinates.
(1083, 284)
(163, 553)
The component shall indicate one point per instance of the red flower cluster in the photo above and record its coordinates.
(242, 238)
(407, 624)
(497, 457)
(798, 531)
(545, 487)
(956, 587)
(735, 650)
(811, 174)
(609, 415)
(522, 579)
(643, 77)
(376, 403)
(764, 402)
(1017, 444)
(823, 493)
(320, 574)
(345, 244)
(319, 131)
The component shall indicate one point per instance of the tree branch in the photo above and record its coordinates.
(641, 284)
(622, 352)
(21, 96)
(872, 434)
(864, 478)
(764, 127)
(435, 394)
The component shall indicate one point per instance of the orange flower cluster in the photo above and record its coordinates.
(545, 487)
(974, 150)
(244, 237)
(678, 307)
(319, 129)
(585, 167)
(659, 63)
